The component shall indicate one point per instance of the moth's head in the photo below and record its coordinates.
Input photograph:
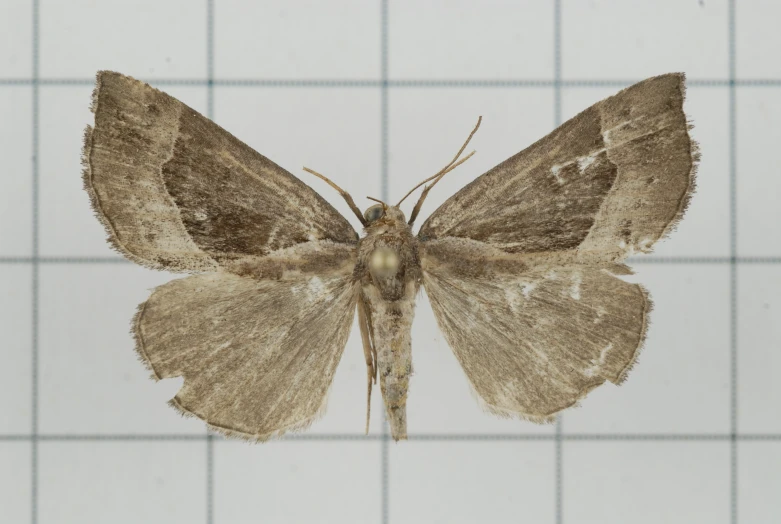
(381, 214)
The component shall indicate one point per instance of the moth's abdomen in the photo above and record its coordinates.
(391, 323)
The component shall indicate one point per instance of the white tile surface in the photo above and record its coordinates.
(16, 145)
(16, 371)
(615, 39)
(497, 482)
(146, 38)
(491, 39)
(759, 340)
(758, 40)
(309, 38)
(758, 135)
(291, 482)
(16, 33)
(646, 482)
(122, 482)
(759, 481)
(15, 481)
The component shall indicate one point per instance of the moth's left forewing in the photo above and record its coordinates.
(608, 182)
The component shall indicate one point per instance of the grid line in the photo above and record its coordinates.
(384, 451)
(35, 266)
(558, 449)
(653, 260)
(733, 241)
(394, 83)
(210, 115)
(433, 437)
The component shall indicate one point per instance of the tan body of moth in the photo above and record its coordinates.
(521, 266)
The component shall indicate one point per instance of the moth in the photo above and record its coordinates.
(522, 266)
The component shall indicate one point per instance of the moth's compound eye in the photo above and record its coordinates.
(374, 213)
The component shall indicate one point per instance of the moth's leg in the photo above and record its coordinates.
(370, 353)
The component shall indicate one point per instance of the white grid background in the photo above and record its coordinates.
(377, 95)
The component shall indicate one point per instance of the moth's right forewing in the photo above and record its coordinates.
(178, 192)
(257, 355)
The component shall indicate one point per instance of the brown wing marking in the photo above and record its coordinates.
(175, 191)
(608, 182)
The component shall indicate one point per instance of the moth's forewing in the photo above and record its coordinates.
(177, 192)
(519, 264)
(608, 182)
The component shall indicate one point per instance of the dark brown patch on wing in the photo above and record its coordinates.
(627, 157)
(176, 191)
(552, 207)
(236, 202)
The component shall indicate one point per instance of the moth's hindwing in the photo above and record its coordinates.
(533, 334)
(257, 356)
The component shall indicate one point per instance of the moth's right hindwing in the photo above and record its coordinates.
(175, 191)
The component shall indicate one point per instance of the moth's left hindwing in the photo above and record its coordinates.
(257, 340)
(257, 356)
(175, 191)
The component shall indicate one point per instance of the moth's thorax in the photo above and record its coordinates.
(388, 256)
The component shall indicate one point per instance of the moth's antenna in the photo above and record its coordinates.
(384, 205)
(445, 170)
(345, 195)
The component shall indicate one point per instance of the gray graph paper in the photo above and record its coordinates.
(379, 94)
